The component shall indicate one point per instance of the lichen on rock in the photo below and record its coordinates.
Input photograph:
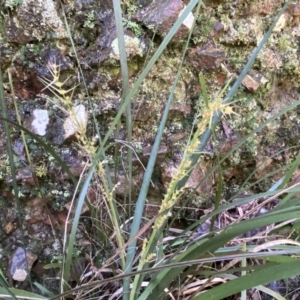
(134, 46)
(32, 21)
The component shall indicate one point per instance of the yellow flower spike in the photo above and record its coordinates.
(150, 257)
(227, 110)
(145, 242)
(60, 84)
(64, 92)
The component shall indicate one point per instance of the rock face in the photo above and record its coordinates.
(160, 16)
(33, 36)
(32, 20)
(207, 59)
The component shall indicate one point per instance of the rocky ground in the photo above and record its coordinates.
(34, 41)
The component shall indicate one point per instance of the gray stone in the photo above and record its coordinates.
(76, 122)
